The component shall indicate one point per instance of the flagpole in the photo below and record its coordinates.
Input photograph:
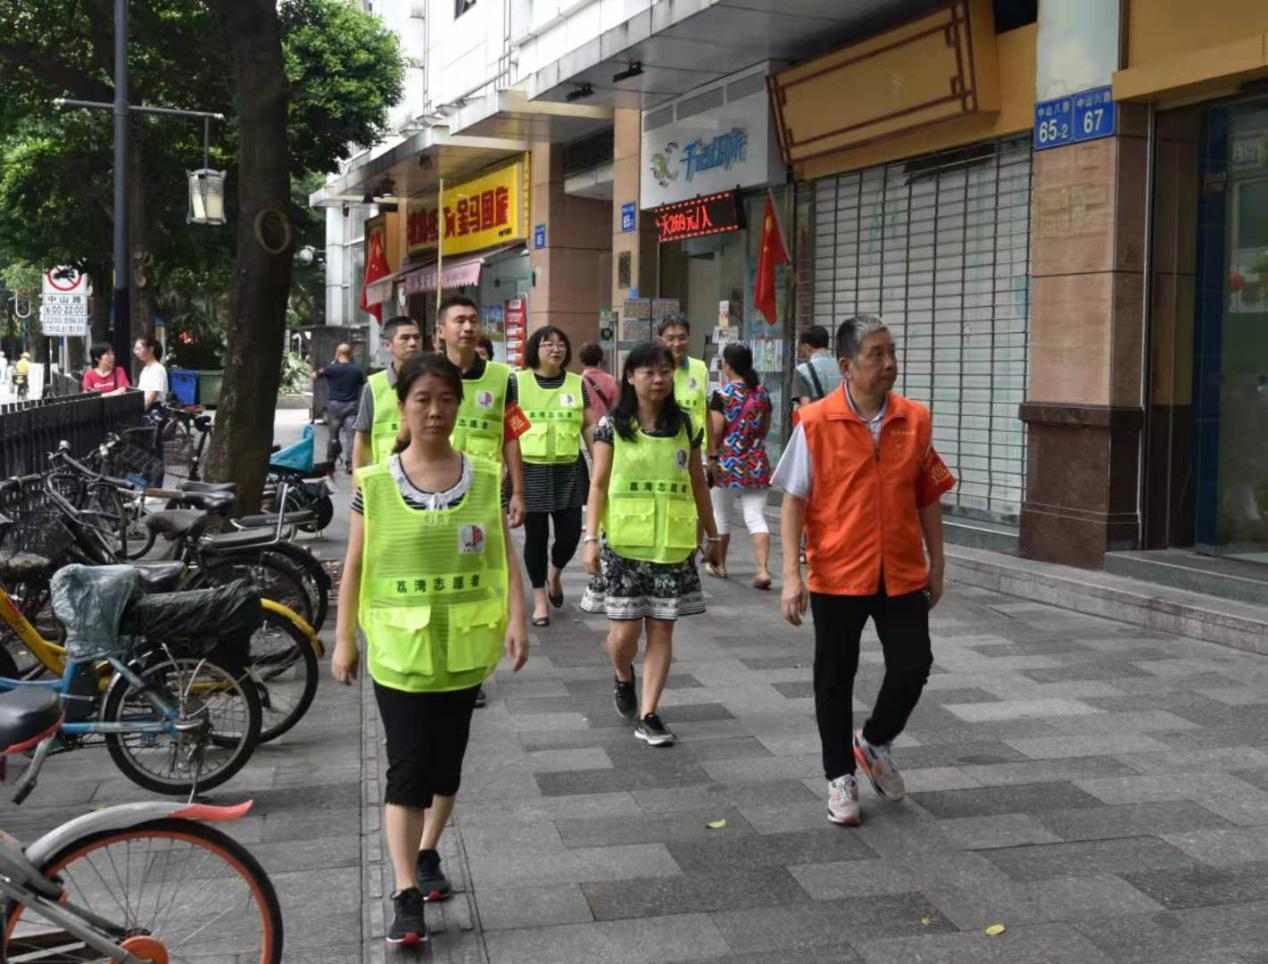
(790, 302)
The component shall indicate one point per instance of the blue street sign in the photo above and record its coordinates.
(629, 216)
(1053, 123)
(1094, 114)
(539, 236)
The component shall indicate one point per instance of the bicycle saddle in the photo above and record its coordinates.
(159, 576)
(178, 523)
(217, 503)
(26, 714)
(268, 520)
(191, 486)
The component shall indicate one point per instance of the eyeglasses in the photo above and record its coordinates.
(654, 372)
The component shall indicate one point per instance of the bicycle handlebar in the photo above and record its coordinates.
(63, 457)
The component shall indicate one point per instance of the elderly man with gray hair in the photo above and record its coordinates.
(862, 481)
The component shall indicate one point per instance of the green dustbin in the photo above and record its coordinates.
(209, 388)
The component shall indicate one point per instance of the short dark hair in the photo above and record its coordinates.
(853, 331)
(454, 301)
(486, 343)
(532, 350)
(678, 320)
(99, 348)
(591, 355)
(816, 336)
(400, 321)
(154, 345)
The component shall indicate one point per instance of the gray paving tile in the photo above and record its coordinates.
(777, 662)
(681, 937)
(542, 808)
(722, 855)
(957, 754)
(796, 689)
(693, 893)
(678, 825)
(508, 868)
(1031, 798)
(855, 878)
(1050, 771)
(839, 924)
(999, 830)
(533, 907)
(1213, 935)
(1200, 885)
(1042, 709)
(774, 792)
(1129, 820)
(1027, 944)
(584, 758)
(1121, 855)
(671, 769)
(1047, 748)
(1223, 847)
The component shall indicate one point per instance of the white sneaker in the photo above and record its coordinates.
(879, 767)
(843, 801)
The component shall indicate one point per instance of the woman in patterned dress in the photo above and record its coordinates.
(741, 412)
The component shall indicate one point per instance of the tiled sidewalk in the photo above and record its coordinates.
(1100, 790)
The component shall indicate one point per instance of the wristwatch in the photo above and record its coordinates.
(590, 539)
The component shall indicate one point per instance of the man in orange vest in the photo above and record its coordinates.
(862, 481)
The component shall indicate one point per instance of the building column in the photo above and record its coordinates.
(1083, 409)
(634, 253)
(570, 274)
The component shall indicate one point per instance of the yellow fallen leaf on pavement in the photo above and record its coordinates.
(995, 930)
(716, 824)
(927, 920)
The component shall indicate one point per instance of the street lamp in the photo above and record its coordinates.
(206, 196)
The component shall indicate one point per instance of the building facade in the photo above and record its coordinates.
(1060, 207)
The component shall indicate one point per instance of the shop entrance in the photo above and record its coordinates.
(1230, 424)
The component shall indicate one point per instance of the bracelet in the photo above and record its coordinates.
(712, 458)
(709, 538)
(590, 539)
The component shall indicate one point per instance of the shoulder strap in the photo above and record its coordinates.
(597, 390)
(814, 378)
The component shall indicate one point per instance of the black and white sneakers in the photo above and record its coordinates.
(653, 732)
(624, 696)
(432, 881)
(408, 927)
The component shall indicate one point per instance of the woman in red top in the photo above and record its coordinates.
(602, 388)
(105, 376)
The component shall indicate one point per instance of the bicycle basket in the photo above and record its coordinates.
(37, 542)
(137, 465)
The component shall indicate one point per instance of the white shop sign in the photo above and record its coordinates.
(689, 150)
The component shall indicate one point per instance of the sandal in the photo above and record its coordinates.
(761, 583)
(717, 572)
(541, 621)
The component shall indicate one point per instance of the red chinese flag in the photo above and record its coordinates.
(376, 267)
(773, 252)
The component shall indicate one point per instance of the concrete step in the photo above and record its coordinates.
(1229, 622)
(979, 534)
(1183, 569)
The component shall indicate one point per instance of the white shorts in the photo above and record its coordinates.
(752, 503)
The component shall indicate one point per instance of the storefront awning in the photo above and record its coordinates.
(380, 291)
(455, 274)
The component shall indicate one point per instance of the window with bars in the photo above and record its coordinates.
(939, 247)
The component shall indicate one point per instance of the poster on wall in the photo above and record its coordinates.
(493, 323)
(636, 319)
(516, 314)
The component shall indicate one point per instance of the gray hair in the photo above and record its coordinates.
(853, 331)
(676, 320)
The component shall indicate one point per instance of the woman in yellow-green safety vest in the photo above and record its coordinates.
(430, 578)
(557, 405)
(647, 494)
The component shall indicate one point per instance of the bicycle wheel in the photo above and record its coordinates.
(124, 519)
(314, 576)
(178, 448)
(272, 575)
(219, 726)
(284, 667)
(175, 887)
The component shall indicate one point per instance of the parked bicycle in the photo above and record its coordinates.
(128, 883)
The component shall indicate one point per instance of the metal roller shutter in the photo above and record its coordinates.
(939, 247)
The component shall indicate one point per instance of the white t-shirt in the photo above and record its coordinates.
(153, 379)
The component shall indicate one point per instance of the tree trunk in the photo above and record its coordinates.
(257, 318)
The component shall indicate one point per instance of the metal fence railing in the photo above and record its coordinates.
(29, 431)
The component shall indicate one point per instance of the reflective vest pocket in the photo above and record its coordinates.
(567, 441)
(400, 638)
(632, 521)
(680, 521)
(481, 446)
(477, 631)
(535, 443)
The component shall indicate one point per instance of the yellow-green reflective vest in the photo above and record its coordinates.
(557, 416)
(433, 584)
(651, 513)
(387, 418)
(691, 390)
(480, 425)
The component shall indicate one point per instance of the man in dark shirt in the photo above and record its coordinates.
(344, 379)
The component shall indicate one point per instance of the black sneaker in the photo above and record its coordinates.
(409, 928)
(653, 732)
(431, 880)
(481, 699)
(624, 697)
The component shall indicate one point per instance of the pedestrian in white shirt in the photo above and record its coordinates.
(153, 377)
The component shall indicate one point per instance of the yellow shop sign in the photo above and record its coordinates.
(480, 213)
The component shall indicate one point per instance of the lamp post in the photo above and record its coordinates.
(122, 267)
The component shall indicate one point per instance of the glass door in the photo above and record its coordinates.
(1231, 350)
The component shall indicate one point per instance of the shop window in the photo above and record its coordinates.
(1011, 14)
(461, 7)
(939, 247)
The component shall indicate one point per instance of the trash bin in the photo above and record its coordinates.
(184, 385)
(209, 388)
